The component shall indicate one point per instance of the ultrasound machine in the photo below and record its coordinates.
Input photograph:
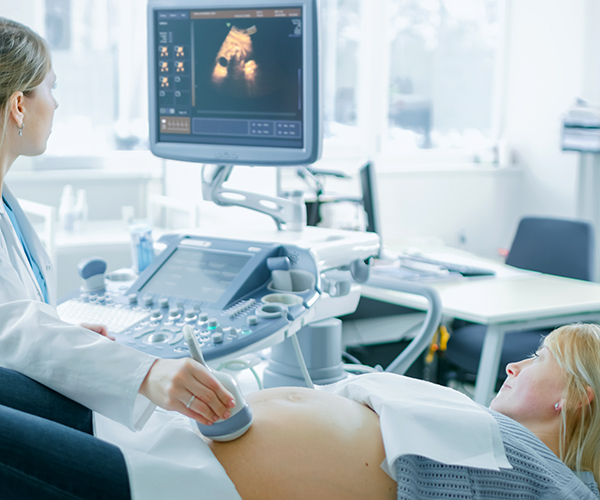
(230, 84)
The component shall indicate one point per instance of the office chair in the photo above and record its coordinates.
(562, 247)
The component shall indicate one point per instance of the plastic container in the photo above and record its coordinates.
(66, 210)
(142, 245)
(81, 211)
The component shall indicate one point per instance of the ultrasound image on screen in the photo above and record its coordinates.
(231, 77)
(196, 275)
(236, 71)
(254, 63)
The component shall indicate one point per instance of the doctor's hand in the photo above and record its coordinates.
(100, 329)
(184, 385)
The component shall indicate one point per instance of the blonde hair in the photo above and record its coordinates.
(24, 63)
(576, 348)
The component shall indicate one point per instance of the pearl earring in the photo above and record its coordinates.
(557, 406)
(21, 129)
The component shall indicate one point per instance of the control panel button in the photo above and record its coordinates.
(132, 297)
(203, 317)
(190, 315)
(174, 313)
(156, 314)
(252, 320)
(217, 338)
(229, 331)
(213, 323)
(164, 302)
(148, 300)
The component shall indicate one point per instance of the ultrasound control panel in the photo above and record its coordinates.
(239, 296)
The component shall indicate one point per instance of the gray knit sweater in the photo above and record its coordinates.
(536, 474)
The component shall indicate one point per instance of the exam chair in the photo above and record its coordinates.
(561, 247)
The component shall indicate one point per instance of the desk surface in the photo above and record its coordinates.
(504, 300)
(513, 295)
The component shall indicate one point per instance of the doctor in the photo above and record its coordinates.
(81, 363)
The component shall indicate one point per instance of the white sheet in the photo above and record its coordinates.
(421, 418)
(167, 459)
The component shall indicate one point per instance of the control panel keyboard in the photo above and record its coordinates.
(223, 289)
(116, 318)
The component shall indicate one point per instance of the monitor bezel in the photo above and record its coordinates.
(368, 185)
(244, 155)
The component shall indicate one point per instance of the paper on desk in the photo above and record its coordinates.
(501, 269)
(396, 270)
(425, 419)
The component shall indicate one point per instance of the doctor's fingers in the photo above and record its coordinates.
(197, 409)
(100, 329)
(210, 391)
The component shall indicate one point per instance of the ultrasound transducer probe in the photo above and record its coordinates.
(241, 416)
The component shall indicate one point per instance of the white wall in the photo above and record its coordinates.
(184, 181)
(474, 209)
(546, 72)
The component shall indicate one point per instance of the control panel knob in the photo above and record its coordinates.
(217, 337)
(92, 271)
(163, 302)
(156, 314)
(174, 313)
(148, 300)
(197, 307)
(190, 314)
(203, 317)
(228, 330)
(132, 298)
(213, 323)
(179, 304)
(252, 320)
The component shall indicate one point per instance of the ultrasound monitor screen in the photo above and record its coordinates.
(230, 76)
(198, 275)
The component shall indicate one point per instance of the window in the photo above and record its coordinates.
(99, 56)
(341, 41)
(442, 68)
(409, 75)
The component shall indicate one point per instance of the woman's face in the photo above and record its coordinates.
(532, 389)
(38, 116)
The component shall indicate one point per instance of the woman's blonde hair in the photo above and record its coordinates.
(576, 348)
(24, 63)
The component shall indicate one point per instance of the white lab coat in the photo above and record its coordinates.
(82, 365)
(100, 374)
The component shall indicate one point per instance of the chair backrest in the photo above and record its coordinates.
(562, 247)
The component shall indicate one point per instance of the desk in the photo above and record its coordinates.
(513, 300)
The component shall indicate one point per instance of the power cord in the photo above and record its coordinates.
(301, 362)
(240, 365)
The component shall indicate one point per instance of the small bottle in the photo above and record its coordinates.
(142, 245)
(66, 210)
(81, 211)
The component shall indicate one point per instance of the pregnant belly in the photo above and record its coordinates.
(307, 444)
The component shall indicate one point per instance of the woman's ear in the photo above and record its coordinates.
(590, 394)
(17, 107)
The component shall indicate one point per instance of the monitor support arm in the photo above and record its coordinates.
(289, 213)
